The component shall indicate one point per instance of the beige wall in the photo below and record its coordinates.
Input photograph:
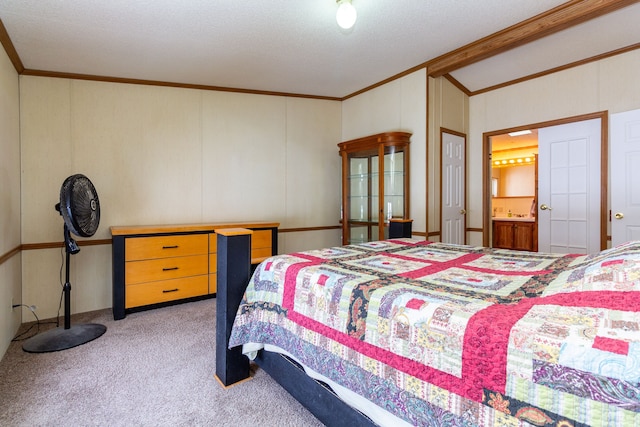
(167, 155)
(164, 155)
(448, 109)
(396, 106)
(401, 105)
(10, 270)
(610, 84)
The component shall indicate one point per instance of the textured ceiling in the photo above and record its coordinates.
(288, 46)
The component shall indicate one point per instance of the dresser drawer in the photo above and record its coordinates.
(213, 263)
(166, 290)
(141, 248)
(213, 243)
(259, 255)
(261, 241)
(165, 268)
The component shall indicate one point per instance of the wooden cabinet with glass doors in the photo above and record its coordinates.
(375, 185)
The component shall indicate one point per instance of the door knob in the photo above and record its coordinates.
(463, 211)
(619, 215)
(544, 207)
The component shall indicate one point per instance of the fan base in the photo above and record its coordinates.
(61, 339)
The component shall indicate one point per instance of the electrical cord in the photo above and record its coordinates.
(32, 308)
(22, 336)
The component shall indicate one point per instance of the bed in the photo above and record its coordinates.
(419, 333)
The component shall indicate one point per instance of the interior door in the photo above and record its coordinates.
(569, 187)
(453, 206)
(625, 177)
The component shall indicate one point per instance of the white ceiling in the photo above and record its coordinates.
(291, 46)
(607, 33)
(506, 142)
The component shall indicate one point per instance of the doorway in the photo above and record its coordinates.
(514, 188)
(597, 219)
(625, 177)
(453, 166)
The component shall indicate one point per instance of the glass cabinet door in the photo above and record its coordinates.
(359, 198)
(376, 217)
(375, 183)
(394, 196)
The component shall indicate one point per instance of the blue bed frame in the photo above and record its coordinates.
(234, 272)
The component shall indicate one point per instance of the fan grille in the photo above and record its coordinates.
(80, 206)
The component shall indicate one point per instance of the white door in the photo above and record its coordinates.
(569, 187)
(453, 214)
(625, 177)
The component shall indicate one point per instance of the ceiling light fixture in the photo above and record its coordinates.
(520, 132)
(346, 14)
(518, 161)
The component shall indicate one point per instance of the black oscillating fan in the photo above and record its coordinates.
(80, 208)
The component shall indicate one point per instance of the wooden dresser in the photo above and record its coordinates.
(163, 264)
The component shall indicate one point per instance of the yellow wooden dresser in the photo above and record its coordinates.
(164, 264)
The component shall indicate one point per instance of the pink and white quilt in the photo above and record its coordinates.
(440, 334)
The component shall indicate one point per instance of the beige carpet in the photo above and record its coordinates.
(153, 368)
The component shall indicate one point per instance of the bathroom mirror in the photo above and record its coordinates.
(514, 181)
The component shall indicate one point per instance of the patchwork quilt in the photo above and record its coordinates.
(440, 334)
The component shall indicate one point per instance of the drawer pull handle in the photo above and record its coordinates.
(169, 268)
(166, 291)
(170, 247)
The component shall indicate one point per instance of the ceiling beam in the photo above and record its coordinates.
(5, 41)
(571, 13)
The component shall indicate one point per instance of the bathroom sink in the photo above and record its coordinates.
(513, 218)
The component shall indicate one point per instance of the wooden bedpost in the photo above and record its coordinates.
(233, 269)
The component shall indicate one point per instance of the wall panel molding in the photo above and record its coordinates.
(5, 257)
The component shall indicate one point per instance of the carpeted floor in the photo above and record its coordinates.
(153, 368)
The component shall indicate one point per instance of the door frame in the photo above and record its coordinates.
(604, 169)
(464, 136)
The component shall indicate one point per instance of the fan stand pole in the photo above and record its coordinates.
(66, 289)
(68, 337)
